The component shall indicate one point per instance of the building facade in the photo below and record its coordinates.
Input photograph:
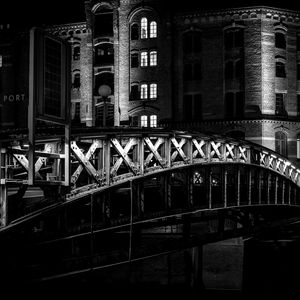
(231, 71)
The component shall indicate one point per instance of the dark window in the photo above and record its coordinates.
(233, 38)
(280, 109)
(197, 107)
(197, 71)
(134, 121)
(229, 105)
(134, 60)
(192, 42)
(134, 32)
(104, 54)
(77, 112)
(280, 40)
(103, 23)
(76, 82)
(188, 72)
(229, 70)
(239, 69)
(281, 143)
(76, 53)
(134, 92)
(239, 103)
(280, 69)
(188, 107)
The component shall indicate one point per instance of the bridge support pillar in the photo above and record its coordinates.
(193, 267)
(3, 205)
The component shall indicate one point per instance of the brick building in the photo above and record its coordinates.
(226, 71)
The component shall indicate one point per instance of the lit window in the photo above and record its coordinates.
(153, 91)
(144, 59)
(153, 121)
(144, 121)
(144, 91)
(144, 30)
(153, 58)
(153, 29)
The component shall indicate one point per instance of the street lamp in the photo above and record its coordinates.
(104, 91)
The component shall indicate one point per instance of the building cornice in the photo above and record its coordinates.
(79, 27)
(243, 13)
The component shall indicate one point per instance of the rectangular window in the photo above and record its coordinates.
(279, 109)
(144, 121)
(153, 121)
(144, 59)
(134, 92)
(153, 91)
(134, 60)
(188, 107)
(144, 91)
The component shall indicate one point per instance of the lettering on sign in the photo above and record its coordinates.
(13, 98)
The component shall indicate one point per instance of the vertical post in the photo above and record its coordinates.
(168, 152)
(141, 155)
(209, 188)
(268, 187)
(107, 160)
(67, 155)
(259, 185)
(289, 193)
(31, 109)
(131, 220)
(238, 188)
(224, 185)
(276, 188)
(190, 188)
(249, 186)
(104, 111)
(167, 191)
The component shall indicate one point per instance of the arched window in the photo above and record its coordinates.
(134, 31)
(153, 121)
(234, 38)
(76, 52)
(144, 28)
(153, 29)
(144, 59)
(192, 42)
(76, 82)
(134, 60)
(144, 91)
(153, 91)
(280, 41)
(281, 143)
(153, 58)
(144, 120)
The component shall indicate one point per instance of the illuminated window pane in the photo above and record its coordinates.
(153, 58)
(144, 59)
(153, 29)
(144, 91)
(153, 91)
(144, 30)
(153, 121)
(144, 121)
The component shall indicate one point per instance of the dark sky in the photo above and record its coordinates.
(34, 12)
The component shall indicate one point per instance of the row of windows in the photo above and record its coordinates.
(145, 59)
(144, 121)
(147, 29)
(143, 91)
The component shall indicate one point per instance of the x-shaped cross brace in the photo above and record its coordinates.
(123, 152)
(86, 159)
(229, 151)
(215, 150)
(154, 152)
(243, 153)
(179, 150)
(198, 148)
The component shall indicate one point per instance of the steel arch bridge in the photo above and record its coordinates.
(114, 196)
